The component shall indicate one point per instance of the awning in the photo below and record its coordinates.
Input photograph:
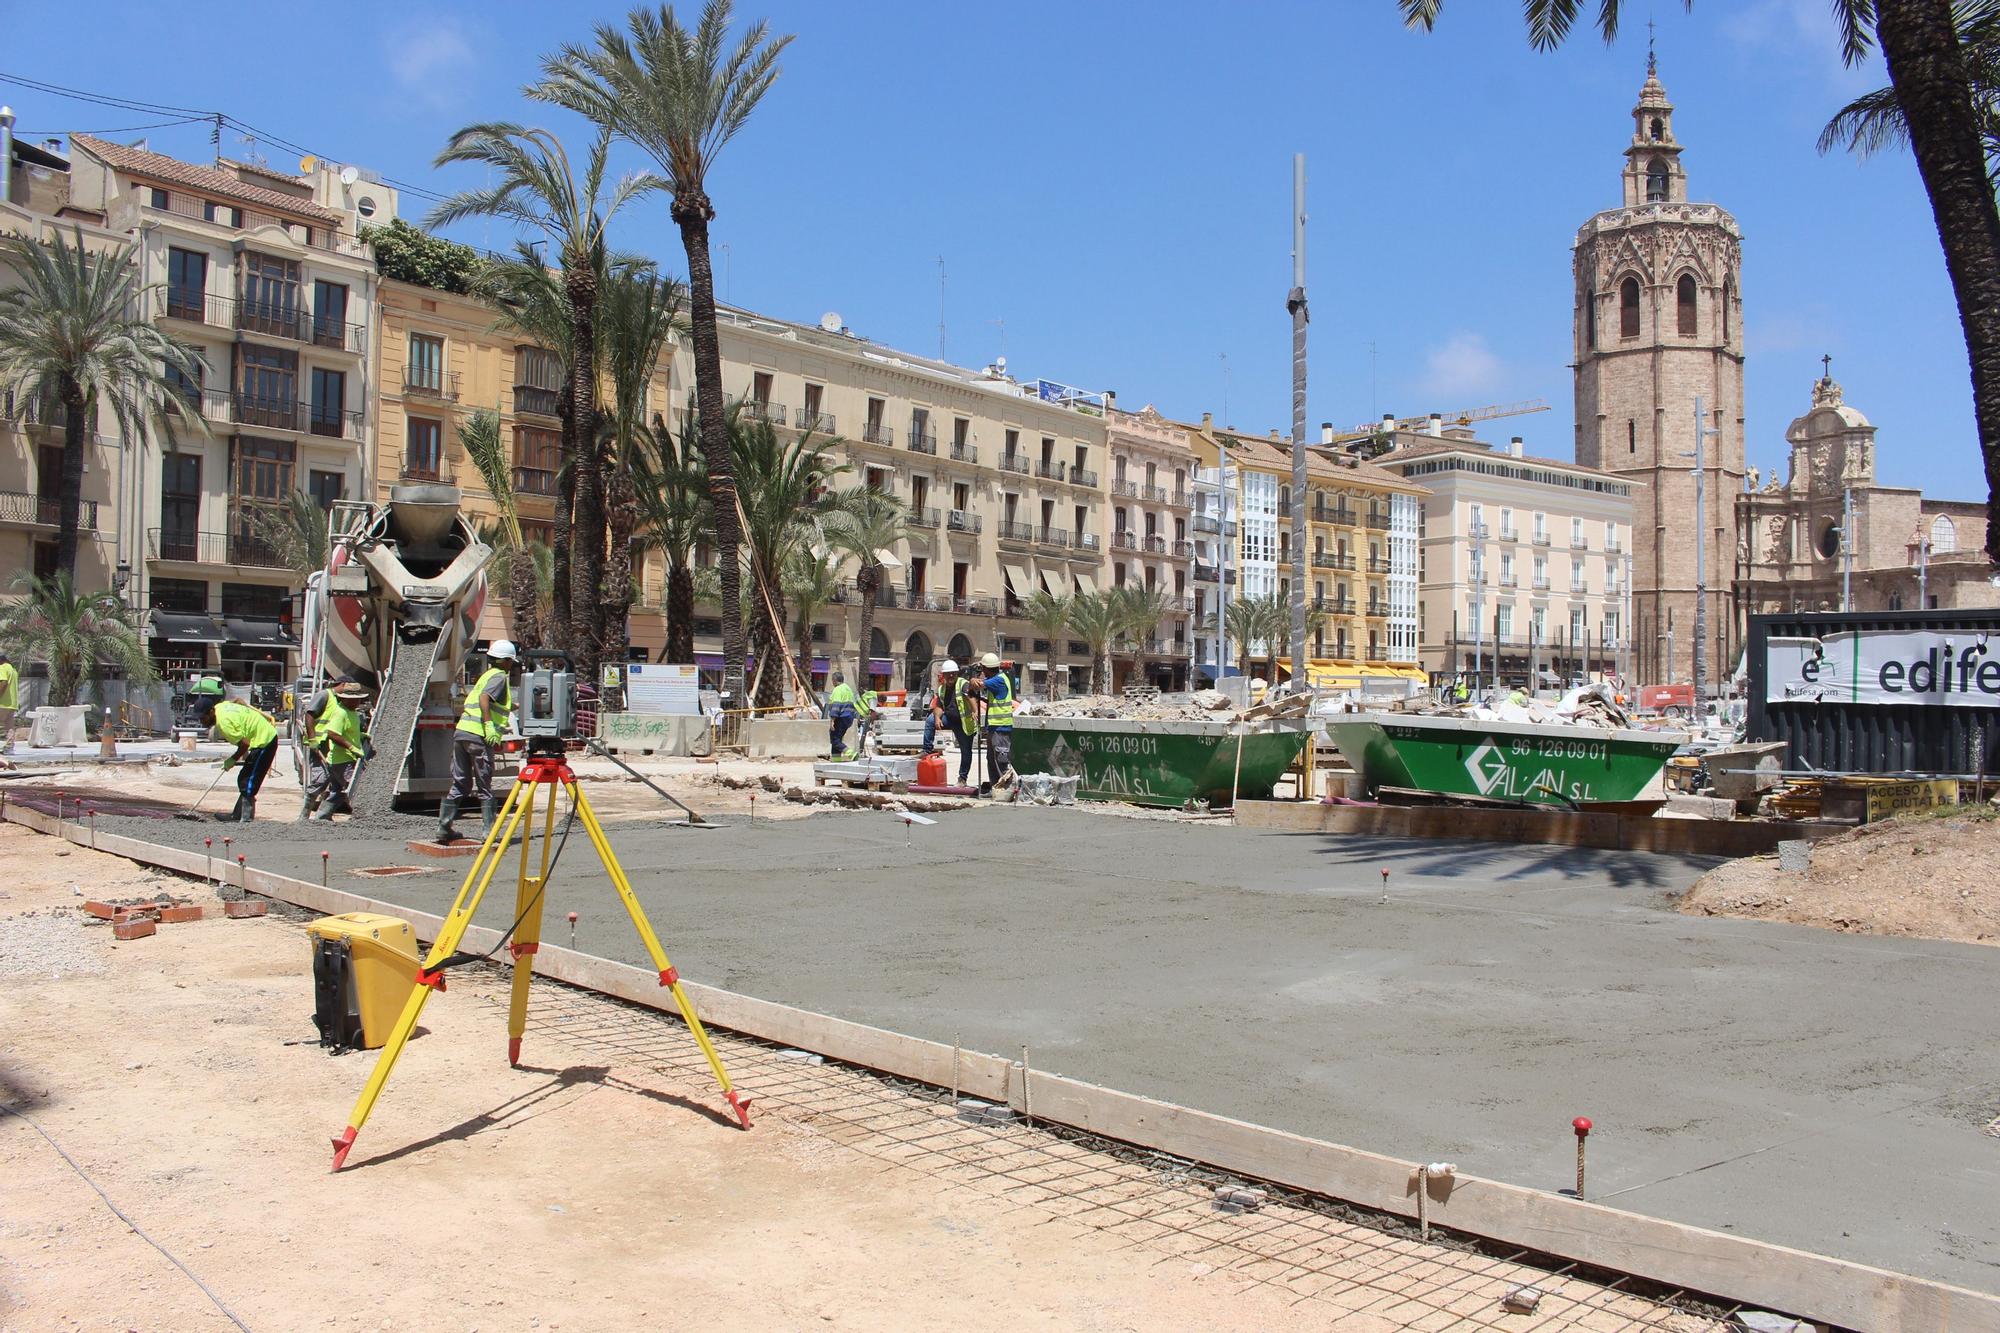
(881, 666)
(181, 627)
(1018, 581)
(1053, 582)
(713, 662)
(1085, 583)
(258, 633)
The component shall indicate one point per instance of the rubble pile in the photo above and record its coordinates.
(1586, 706)
(1202, 706)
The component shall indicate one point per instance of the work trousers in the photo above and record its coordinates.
(257, 763)
(999, 750)
(325, 781)
(837, 730)
(471, 767)
(6, 729)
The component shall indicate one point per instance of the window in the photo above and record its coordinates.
(268, 390)
(1684, 303)
(189, 386)
(330, 314)
(329, 401)
(255, 601)
(1590, 319)
(1576, 583)
(270, 294)
(1628, 308)
(223, 214)
(1944, 536)
(1013, 443)
(919, 573)
(815, 398)
(1576, 532)
(760, 388)
(537, 455)
(425, 369)
(180, 506)
(877, 479)
(1656, 181)
(1728, 298)
(1631, 435)
(961, 431)
(1656, 129)
(423, 449)
(961, 496)
(1541, 526)
(1611, 625)
(263, 470)
(187, 284)
(920, 427)
(325, 487)
(188, 596)
(158, 197)
(1538, 624)
(1576, 624)
(1503, 622)
(961, 580)
(1541, 570)
(1506, 522)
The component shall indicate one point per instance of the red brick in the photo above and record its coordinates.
(134, 927)
(462, 847)
(102, 911)
(239, 910)
(184, 912)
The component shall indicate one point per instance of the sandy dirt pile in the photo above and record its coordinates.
(1204, 706)
(1925, 877)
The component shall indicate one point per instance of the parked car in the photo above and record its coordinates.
(1675, 701)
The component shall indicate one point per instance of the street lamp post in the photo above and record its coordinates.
(1702, 433)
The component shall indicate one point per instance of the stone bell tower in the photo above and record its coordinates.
(1659, 323)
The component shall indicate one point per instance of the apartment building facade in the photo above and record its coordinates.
(1151, 541)
(1362, 524)
(262, 274)
(1526, 563)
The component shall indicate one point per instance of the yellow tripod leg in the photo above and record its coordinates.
(528, 926)
(428, 978)
(668, 976)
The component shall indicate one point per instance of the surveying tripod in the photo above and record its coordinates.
(545, 768)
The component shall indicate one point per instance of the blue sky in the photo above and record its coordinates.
(1108, 186)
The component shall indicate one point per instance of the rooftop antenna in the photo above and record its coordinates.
(1225, 388)
(941, 355)
(1003, 337)
(725, 270)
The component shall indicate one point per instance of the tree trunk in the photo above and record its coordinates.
(586, 561)
(614, 626)
(805, 651)
(866, 579)
(65, 675)
(526, 597)
(1055, 668)
(69, 490)
(1927, 69)
(772, 672)
(692, 217)
(680, 612)
(557, 630)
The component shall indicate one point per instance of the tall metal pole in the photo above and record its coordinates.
(1923, 573)
(1479, 603)
(1847, 548)
(1222, 559)
(1295, 302)
(1701, 436)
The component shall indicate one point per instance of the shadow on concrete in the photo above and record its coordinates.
(1502, 862)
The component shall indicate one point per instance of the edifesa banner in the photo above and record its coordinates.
(1934, 668)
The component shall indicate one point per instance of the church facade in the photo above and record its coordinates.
(1659, 339)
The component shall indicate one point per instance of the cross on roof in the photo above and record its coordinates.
(1826, 367)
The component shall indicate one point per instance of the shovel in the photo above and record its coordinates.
(189, 813)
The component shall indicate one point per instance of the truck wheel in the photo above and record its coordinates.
(1673, 712)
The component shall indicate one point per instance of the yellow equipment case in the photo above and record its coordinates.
(364, 964)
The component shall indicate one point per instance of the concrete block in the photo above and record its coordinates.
(1701, 807)
(785, 737)
(654, 733)
(180, 912)
(134, 927)
(1795, 856)
(241, 910)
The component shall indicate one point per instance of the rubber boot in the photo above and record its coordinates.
(489, 809)
(325, 811)
(235, 813)
(447, 811)
(246, 809)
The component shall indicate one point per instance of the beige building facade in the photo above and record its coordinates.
(1151, 540)
(1659, 331)
(1526, 565)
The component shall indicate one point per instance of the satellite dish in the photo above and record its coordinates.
(307, 163)
(1000, 362)
(831, 321)
(349, 175)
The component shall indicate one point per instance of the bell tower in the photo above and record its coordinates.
(1658, 325)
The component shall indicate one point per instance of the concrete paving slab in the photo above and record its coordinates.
(1817, 1090)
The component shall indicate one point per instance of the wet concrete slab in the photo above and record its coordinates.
(1808, 1088)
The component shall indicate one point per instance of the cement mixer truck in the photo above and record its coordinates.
(398, 607)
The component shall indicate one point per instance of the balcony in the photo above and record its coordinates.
(922, 518)
(1157, 494)
(1579, 543)
(874, 432)
(1284, 509)
(1082, 476)
(1052, 537)
(1207, 523)
(441, 385)
(964, 451)
(1613, 546)
(1334, 514)
(1332, 560)
(962, 520)
(807, 419)
(534, 480)
(1124, 540)
(1540, 539)
(1378, 522)
(424, 469)
(1378, 611)
(1128, 489)
(1010, 531)
(211, 548)
(923, 442)
(1049, 470)
(1182, 549)
(1155, 544)
(42, 511)
(536, 401)
(1180, 499)
(765, 411)
(1341, 606)
(1508, 535)
(249, 409)
(1014, 463)
(1510, 580)
(1378, 564)
(1088, 541)
(975, 606)
(1541, 583)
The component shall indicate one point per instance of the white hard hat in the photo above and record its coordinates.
(501, 649)
(990, 661)
(948, 665)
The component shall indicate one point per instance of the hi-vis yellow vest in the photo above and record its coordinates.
(471, 722)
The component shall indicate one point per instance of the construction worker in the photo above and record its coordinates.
(333, 745)
(480, 727)
(10, 701)
(256, 739)
(998, 690)
(942, 709)
(842, 705)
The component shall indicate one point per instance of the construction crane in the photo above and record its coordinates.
(1463, 417)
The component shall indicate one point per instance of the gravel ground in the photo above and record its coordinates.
(50, 944)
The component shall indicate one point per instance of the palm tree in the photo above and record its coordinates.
(1098, 618)
(1251, 621)
(1145, 608)
(531, 303)
(863, 525)
(537, 188)
(1933, 77)
(74, 631)
(786, 490)
(73, 340)
(1049, 614)
(479, 436)
(1874, 121)
(680, 95)
(672, 493)
(294, 530)
(640, 310)
(812, 583)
